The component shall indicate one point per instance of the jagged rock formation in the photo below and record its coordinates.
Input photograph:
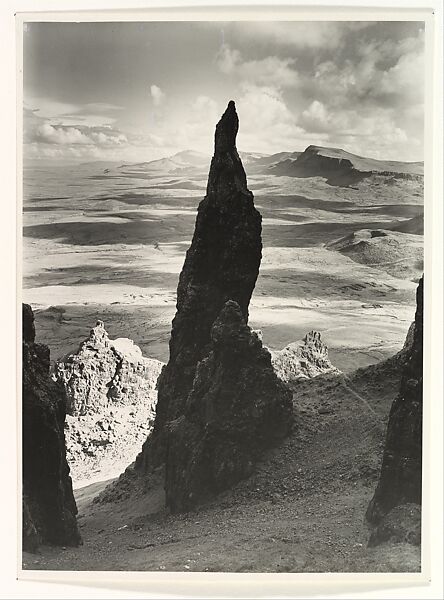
(111, 390)
(301, 360)
(105, 372)
(401, 472)
(237, 408)
(49, 508)
(221, 264)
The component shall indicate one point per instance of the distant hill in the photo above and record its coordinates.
(193, 161)
(414, 225)
(397, 253)
(338, 167)
(177, 163)
(342, 168)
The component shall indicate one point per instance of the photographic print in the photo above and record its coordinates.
(222, 284)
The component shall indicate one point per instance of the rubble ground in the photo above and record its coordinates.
(302, 511)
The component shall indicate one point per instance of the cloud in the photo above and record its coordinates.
(267, 71)
(205, 104)
(85, 136)
(271, 70)
(157, 95)
(316, 118)
(267, 123)
(91, 114)
(324, 35)
(378, 73)
(373, 134)
(354, 85)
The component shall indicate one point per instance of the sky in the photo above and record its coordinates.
(142, 91)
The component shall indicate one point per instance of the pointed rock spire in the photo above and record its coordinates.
(221, 264)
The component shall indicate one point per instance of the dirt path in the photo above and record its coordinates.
(303, 510)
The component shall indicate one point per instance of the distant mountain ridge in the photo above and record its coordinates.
(337, 166)
(343, 168)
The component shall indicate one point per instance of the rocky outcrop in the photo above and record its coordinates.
(49, 508)
(111, 390)
(105, 372)
(401, 472)
(236, 409)
(302, 360)
(221, 264)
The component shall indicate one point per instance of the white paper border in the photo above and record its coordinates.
(212, 584)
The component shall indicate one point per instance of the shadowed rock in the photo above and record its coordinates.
(401, 525)
(401, 472)
(221, 264)
(49, 507)
(236, 409)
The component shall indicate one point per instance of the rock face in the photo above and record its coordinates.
(111, 390)
(401, 472)
(49, 508)
(302, 360)
(221, 264)
(401, 525)
(237, 407)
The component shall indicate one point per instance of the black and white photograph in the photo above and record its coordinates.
(222, 295)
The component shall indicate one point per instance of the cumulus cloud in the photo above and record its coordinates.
(380, 72)
(356, 85)
(157, 95)
(267, 71)
(278, 129)
(317, 118)
(85, 136)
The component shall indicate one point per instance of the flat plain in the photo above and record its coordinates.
(107, 241)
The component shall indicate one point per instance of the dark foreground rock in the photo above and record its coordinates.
(401, 525)
(401, 472)
(221, 264)
(49, 508)
(236, 409)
